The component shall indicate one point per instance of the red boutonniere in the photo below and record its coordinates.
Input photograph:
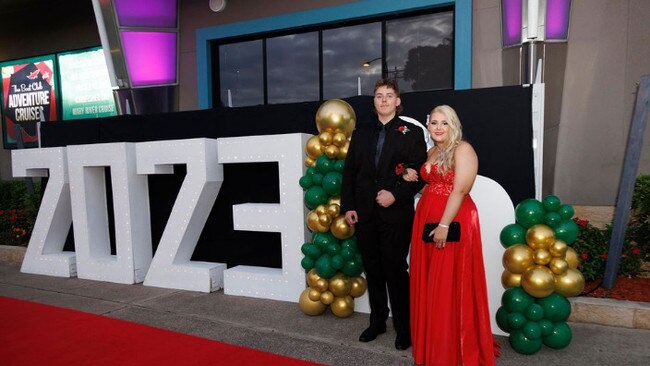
(403, 129)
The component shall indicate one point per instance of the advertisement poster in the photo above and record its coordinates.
(28, 96)
(85, 85)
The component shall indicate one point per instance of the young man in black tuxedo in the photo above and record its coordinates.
(379, 203)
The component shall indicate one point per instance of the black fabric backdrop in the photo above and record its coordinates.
(496, 121)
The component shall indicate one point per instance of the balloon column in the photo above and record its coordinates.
(332, 258)
(540, 273)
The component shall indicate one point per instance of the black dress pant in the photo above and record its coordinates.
(384, 248)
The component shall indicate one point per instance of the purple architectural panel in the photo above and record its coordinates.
(146, 13)
(511, 22)
(150, 57)
(557, 19)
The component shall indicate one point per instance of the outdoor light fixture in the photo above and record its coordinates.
(534, 20)
(367, 63)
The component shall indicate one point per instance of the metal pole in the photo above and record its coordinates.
(628, 177)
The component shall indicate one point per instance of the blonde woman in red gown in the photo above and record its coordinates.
(450, 321)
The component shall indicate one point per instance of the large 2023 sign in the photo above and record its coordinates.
(76, 191)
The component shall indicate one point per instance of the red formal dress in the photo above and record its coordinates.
(450, 320)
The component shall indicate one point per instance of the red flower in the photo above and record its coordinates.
(400, 169)
(603, 255)
(581, 222)
(636, 251)
(584, 256)
(403, 129)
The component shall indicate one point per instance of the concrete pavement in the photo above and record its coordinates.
(280, 327)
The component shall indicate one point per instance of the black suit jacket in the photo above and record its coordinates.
(362, 180)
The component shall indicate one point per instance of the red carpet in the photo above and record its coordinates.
(36, 334)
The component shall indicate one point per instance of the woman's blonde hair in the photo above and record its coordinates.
(445, 159)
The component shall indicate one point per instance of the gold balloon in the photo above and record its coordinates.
(570, 284)
(309, 306)
(313, 222)
(340, 228)
(314, 295)
(310, 162)
(340, 284)
(332, 151)
(343, 306)
(334, 210)
(336, 115)
(325, 139)
(322, 284)
(542, 256)
(312, 148)
(540, 236)
(335, 200)
(343, 151)
(339, 139)
(327, 297)
(558, 248)
(538, 281)
(358, 286)
(325, 219)
(321, 209)
(518, 258)
(558, 266)
(571, 258)
(312, 277)
(509, 279)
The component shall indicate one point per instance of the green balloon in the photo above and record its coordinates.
(546, 326)
(352, 268)
(311, 170)
(529, 212)
(552, 219)
(307, 263)
(534, 312)
(332, 183)
(532, 330)
(512, 234)
(516, 300)
(339, 165)
(551, 203)
(306, 181)
(502, 319)
(567, 230)
(315, 196)
(350, 243)
(523, 344)
(311, 250)
(324, 266)
(333, 248)
(516, 320)
(317, 179)
(556, 307)
(347, 254)
(322, 240)
(324, 164)
(566, 211)
(560, 337)
(337, 261)
(358, 258)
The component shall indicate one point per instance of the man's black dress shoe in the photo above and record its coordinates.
(371, 333)
(402, 342)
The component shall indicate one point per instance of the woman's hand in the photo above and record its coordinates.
(410, 175)
(440, 236)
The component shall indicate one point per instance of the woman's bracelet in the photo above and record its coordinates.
(443, 225)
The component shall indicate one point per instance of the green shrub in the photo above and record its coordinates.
(592, 244)
(18, 210)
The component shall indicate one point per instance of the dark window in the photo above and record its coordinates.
(337, 61)
(292, 67)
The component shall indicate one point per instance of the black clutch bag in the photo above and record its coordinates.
(452, 235)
